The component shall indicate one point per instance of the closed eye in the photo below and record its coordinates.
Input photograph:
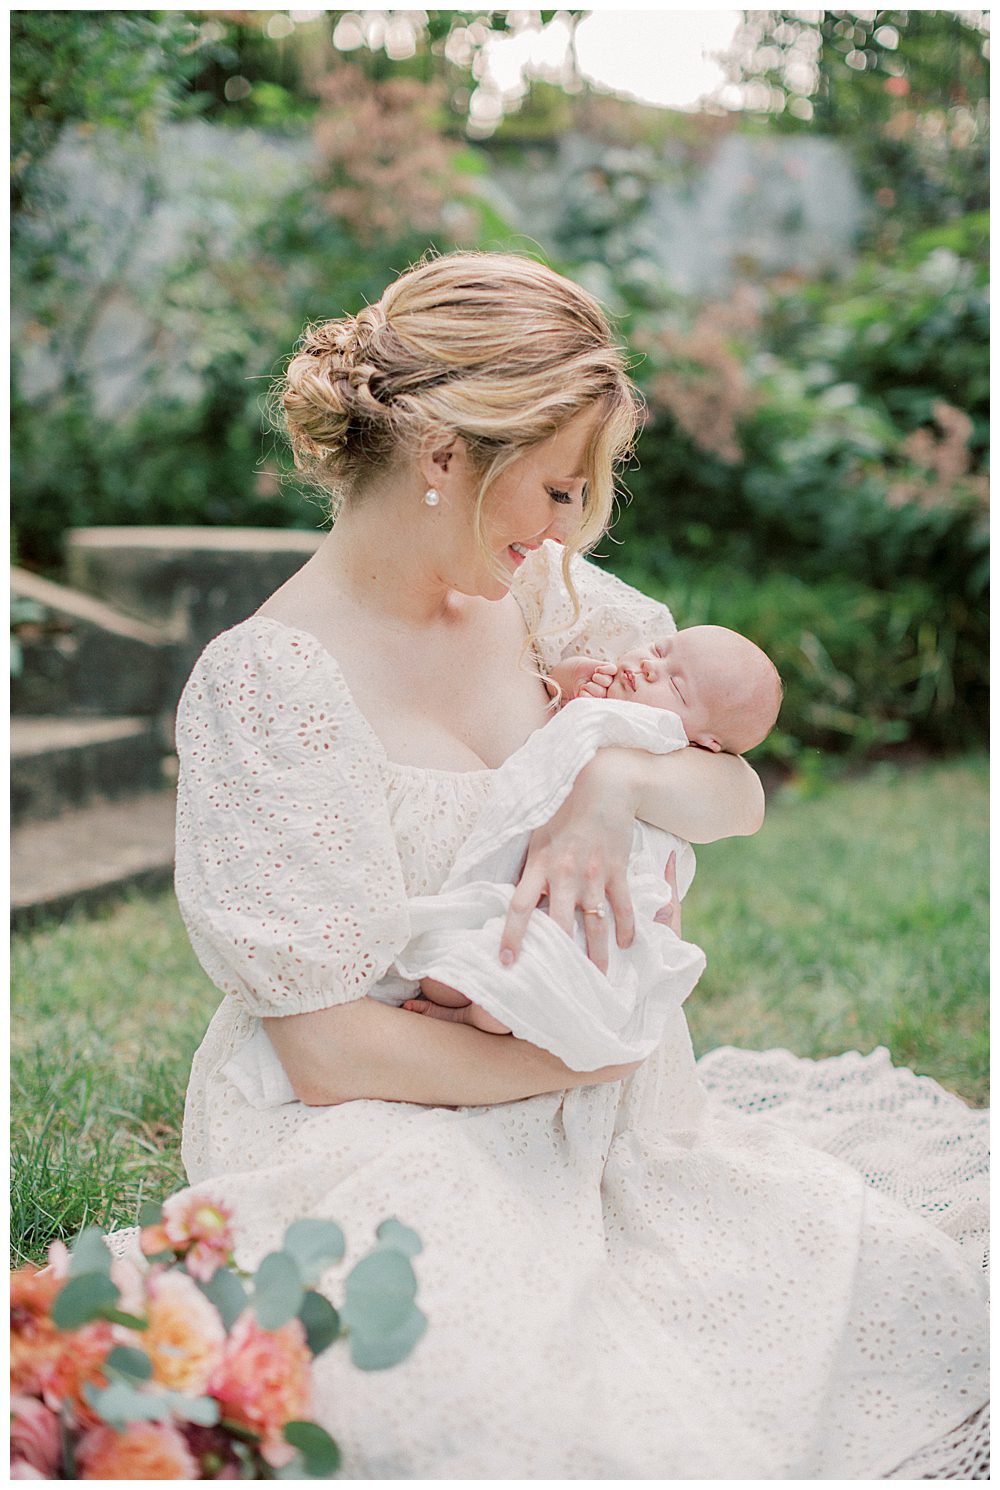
(559, 496)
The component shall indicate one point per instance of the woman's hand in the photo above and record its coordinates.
(579, 860)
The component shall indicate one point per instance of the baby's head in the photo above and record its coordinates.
(724, 689)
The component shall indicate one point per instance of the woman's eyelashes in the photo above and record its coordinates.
(559, 496)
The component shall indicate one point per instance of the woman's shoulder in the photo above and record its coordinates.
(611, 615)
(268, 678)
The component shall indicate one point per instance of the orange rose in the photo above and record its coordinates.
(144, 1451)
(34, 1339)
(263, 1381)
(77, 1363)
(185, 1337)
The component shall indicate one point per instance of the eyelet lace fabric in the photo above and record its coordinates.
(752, 1267)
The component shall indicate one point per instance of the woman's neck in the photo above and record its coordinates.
(380, 555)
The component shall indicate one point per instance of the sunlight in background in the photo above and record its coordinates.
(656, 56)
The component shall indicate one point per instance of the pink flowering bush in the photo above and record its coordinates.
(187, 1367)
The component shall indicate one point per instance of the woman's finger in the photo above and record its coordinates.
(620, 900)
(527, 894)
(595, 928)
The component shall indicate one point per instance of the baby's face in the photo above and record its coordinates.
(705, 675)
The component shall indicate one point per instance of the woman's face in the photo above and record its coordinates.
(539, 496)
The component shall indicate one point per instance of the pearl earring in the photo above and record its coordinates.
(432, 497)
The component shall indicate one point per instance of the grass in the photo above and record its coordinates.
(857, 917)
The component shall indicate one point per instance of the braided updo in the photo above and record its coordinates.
(493, 347)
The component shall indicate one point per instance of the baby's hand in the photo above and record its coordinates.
(600, 680)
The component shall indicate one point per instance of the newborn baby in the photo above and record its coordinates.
(724, 690)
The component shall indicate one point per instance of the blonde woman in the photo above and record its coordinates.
(625, 1276)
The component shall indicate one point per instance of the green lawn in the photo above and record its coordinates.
(854, 919)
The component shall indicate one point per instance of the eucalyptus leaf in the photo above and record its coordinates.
(130, 1321)
(379, 1292)
(378, 1350)
(82, 1299)
(320, 1320)
(204, 1411)
(89, 1254)
(126, 1360)
(314, 1244)
(150, 1213)
(278, 1291)
(225, 1290)
(320, 1454)
(120, 1403)
(393, 1233)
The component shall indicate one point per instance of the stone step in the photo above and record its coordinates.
(162, 575)
(58, 763)
(81, 656)
(90, 855)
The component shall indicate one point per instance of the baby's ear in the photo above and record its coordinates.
(707, 742)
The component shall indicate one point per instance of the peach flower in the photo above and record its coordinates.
(195, 1228)
(34, 1339)
(77, 1363)
(263, 1381)
(34, 1440)
(185, 1335)
(143, 1451)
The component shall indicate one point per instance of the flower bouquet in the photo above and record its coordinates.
(186, 1367)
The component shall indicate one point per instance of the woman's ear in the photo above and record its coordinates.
(440, 458)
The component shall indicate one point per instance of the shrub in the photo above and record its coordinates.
(863, 668)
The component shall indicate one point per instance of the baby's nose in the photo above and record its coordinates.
(648, 667)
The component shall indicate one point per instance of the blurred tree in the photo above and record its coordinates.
(123, 70)
(907, 90)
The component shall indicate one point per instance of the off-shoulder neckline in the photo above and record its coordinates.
(336, 668)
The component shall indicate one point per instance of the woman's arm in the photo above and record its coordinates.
(579, 858)
(366, 1049)
(693, 793)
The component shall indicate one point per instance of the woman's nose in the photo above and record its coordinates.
(563, 525)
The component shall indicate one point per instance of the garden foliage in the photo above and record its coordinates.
(813, 467)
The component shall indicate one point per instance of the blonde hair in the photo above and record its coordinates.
(493, 347)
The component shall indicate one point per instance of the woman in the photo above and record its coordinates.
(624, 1278)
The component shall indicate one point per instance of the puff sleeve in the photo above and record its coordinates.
(287, 873)
(613, 617)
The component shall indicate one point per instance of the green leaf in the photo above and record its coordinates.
(314, 1244)
(393, 1233)
(150, 1213)
(320, 1320)
(130, 1321)
(89, 1254)
(278, 1291)
(225, 1290)
(126, 1361)
(320, 1453)
(204, 1411)
(379, 1292)
(83, 1299)
(120, 1403)
(377, 1351)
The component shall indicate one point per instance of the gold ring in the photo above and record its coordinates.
(596, 910)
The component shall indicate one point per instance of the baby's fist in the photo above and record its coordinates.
(600, 680)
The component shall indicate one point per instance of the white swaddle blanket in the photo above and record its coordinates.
(553, 996)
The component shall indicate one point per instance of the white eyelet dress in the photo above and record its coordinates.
(757, 1267)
